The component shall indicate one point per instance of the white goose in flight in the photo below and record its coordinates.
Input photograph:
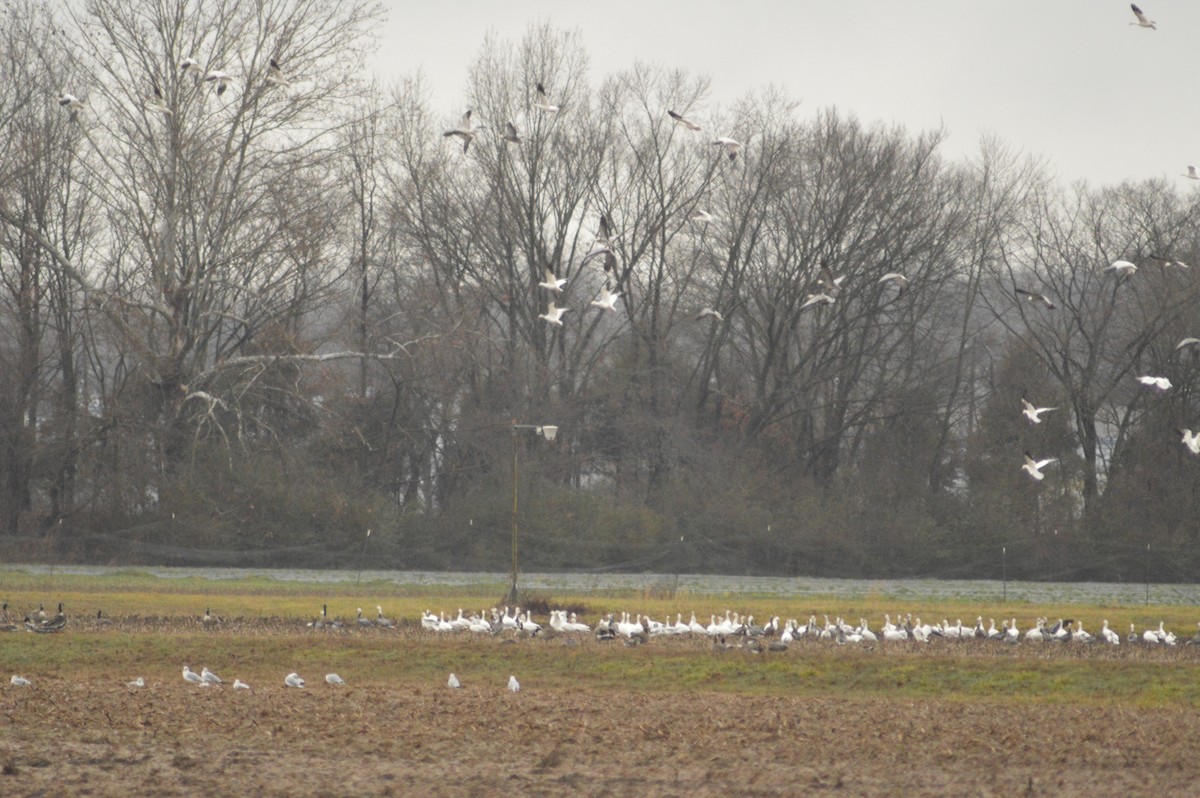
(680, 120)
(552, 283)
(464, 131)
(1034, 467)
(1033, 413)
(728, 145)
(1142, 20)
(542, 102)
(1191, 440)
(1157, 383)
(553, 315)
(1192, 174)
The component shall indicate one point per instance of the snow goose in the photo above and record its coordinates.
(1166, 261)
(1121, 268)
(894, 277)
(702, 216)
(552, 283)
(696, 627)
(138, 682)
(529, 625)
(1142, 20)
(1150, 636)
(380, 620)
(708, 312)
(1192, 174)
(1186, 342)
(1108, 635)
(729, 146)
(680, 120)
(1133, 635)
(19, 681)
(607, 300)
(1012, 631)
(453, 683)
(895, 634)
(553, 315)
(1034, 414)
(1035, 634)
(191, 677)
(542, 103)
(334, 679)
(866, 632)
(1191, 440)
(1034, 467)
(513, 685)
(1034, 298)
(1165, 637)
(1157, 383)
(464, 131)
(293, 680)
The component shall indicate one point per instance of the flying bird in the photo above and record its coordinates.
(553, 315)
(1186, 342)
(513, 685)
(293, 680)
(679, 120)
(275, 75)
(189, 65)
(708, 312)
(510, 133)
(1142, 21)
(1122, 268)
(703, 216)
(1167, 261)
(542, 102)
(730, 146)
(1158, 383)
(894, 277)
(1191, 440)
(73, 105)
(464, 131)
(453, 682)
(1192, 173)
(1035, 298)
(1034, 467)
(1034, 413)
(333, 678)
(817, 299)
(607, 300)
(157, 103)
(552, 283)
(221, 79)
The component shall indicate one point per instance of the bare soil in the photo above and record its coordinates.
(61, 739)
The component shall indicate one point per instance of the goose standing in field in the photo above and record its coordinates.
(101, 620)
(19, 681)
(1034, 467)
(680, 120)
(1108, 635)
(73, 105)
(1034, 414)
(238, 684)
(138, 682)
(1160, 384)
(1191, 440)
(1151, 637)
(380, 620)
(293, 680)
(1035, 635)
(334, 679)
(208, 619)
(210, 677)
(453, 683)
(1192, 174)
(364, 621)
(729, 146)
(321, 620)
(1034, 298)
(1132, 637)
(1142, 20)
(542, 103)
(191, 677)
(513, 685)
(1165, 637)
(553, 315)
(464, 131)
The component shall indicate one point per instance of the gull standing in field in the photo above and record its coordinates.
(453, 682)
(680, 120)
(1192, 174)
(1035, 298)
(334, 679)
(553, 315)
(1034, 467)
(728, 145)
(542, 103)
(210, 677)
(1033, 413)
(1191, 440)
(1158, 383)
(293, 680)
(513, 685)
(238, 684)
(1142, 21)
(191, 677)
(464, 131)
(138, 682)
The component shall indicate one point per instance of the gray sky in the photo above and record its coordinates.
(1070, 81)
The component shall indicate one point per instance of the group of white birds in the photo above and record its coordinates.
(206, 678)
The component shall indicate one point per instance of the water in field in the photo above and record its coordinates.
(706, 584)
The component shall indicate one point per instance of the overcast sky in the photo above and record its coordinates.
(1070, 81)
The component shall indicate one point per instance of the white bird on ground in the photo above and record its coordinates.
(679, 120)
(333, 678)
(1192, 173)
(220, 79)
(1034, 467)
(607, 300)
(380, 620)
(552, 283)
(553, 315)
(238, 684)
(513, 685)
(464, 131)
(1142, 21)
(730, 146)
(293, 680)
(453, 683)
(191, 677)
(72, 103)
(1034, 298)
(210, 677)
(703, 216)
(1033, 413)
(20, 681)
(1191, 440)
(138, 682)
(1158, 383)
(1122, 268)
(542, 103)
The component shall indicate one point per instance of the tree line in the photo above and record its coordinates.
(247, 317)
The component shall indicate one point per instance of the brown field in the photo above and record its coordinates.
(569, 733)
